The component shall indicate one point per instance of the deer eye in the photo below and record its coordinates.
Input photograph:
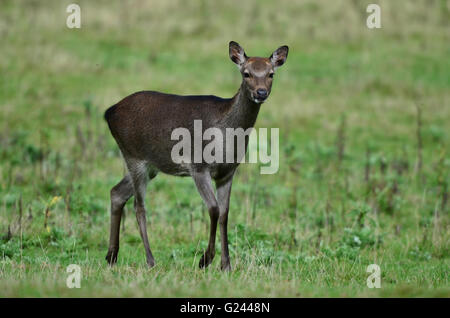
(246, 74)
(271, 75)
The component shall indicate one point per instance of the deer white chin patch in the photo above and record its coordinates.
(259, 101)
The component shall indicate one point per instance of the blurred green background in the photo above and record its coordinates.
(364, 135)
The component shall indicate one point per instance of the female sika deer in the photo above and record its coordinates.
(142, 125)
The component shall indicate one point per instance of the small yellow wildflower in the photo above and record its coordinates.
(54, 200)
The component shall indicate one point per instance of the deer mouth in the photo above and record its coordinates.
(259, 99)
(260, 95)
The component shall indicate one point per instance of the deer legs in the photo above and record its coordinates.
(139, 175)
(218, 211)
(223, 197)
(120, 194)
(134, 183)
(203, 182)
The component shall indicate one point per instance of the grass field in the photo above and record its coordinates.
(364, 120)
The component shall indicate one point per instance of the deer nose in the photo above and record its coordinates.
(262, 93)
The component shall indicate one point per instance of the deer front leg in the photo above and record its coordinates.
(223, 198)
(204, 187)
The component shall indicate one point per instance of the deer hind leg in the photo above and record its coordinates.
(140, 173)
(120, 194)
(204, 187)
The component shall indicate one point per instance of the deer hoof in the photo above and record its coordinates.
(226, 267)
(206, 260)
(111, 256)
(151, 263)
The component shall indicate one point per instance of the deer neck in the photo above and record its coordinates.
(243, 111)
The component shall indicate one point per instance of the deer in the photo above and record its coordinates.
(141, 125)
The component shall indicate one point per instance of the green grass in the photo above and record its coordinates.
(349, 191)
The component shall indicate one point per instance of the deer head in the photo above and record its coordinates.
(257, 72)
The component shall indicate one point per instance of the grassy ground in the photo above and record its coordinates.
(364, 161)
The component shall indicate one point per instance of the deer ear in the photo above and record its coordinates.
(237, 54)
(279, 56)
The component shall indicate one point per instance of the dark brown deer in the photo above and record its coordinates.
(142, 124)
